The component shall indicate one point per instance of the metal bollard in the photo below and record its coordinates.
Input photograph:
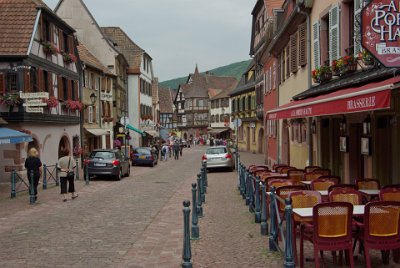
(77, 170)
(247, 193)
(186, 252)
(289, 259)
(201, 188)
(44, 177)
(264, 224)
(13, 192)
(273, 234)
(195, 219)
(199, 207)
(87, 174)
(239, 170)
(57, 176)
(251, 193)
(257, 214)
(205, 176)
(32, 189)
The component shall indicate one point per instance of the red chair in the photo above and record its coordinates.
(302, 199)
(342, 186)
(330, 231)
(257, 168)
(390, 194)
(296, 175)
(259, 171)
(381, 228)
(284, 191)
(391, 186)
(278, 183)
(309, 169)
(350, 195)
(276, 166)
(284, 170)
(368, 184)
(323, 171)
(323, 184)
(310, 176)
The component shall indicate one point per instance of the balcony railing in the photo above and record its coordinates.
(42, 118)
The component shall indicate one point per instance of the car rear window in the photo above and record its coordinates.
(220, 150)
(103, 155)
(143, 151)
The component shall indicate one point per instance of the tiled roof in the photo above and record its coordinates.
(166, 105)
(17, 20)
(90, 60)
(125, 45)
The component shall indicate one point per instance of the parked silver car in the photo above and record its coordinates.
(219, 157)
(108, 162)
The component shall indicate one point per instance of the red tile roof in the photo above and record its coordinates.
(17, 20)
(90, 60)
(166, 103)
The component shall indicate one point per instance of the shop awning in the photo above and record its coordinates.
(97, 131)
(152, 133)
(218, 130)
(372, 96)
(11, 136)
(135, 129)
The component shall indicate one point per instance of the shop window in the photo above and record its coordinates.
(11, 83)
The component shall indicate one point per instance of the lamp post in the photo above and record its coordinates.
(93, 98)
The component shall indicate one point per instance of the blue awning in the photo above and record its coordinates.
(11, 136)
(135, 129)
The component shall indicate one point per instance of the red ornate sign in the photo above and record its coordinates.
(381, 31)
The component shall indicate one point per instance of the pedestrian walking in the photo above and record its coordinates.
(180, 148)
(66, 165)
(164, 151)
(176, 150)
(33, 164)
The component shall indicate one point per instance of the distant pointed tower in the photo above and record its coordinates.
(196, 71)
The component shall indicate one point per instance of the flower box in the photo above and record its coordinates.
(49, 48)
(68, 58)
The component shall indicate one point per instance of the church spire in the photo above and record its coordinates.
(196, 71)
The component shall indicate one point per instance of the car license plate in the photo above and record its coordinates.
(99, 164)
(142, 157)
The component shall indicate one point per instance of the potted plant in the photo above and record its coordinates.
(49, 48)
(366, 58)
(322, 74)
(347, 64)
(69, 58)
(335, 68)
(73, 105)
(51, 102)
(11, 100)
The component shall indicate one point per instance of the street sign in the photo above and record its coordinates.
(237, 122)
(381, 31)
(124, 120)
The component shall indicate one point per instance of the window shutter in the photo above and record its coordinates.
(61, 40)
(288, 61)
(70, 44)
(69, 89)
(334, 38)
(293, 53)
(27, 81)
(50, 85)
(316, 43)
(39, 80)
(303, 44)
(51, 30)
(2, 83)
(76, 91)
(358, 6)
(60, 88)
(108, 109)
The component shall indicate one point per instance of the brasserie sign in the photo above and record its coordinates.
(381, 31)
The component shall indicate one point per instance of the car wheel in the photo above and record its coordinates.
(119, 176)
(152, 164)
(231, 169)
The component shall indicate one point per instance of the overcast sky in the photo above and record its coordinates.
(180, 33)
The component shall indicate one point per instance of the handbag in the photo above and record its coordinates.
(70, 173)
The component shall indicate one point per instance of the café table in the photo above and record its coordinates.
(308, 183)
(358, 210)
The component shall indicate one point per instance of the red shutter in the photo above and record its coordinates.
(108, 109)
(70, 44)
(27, 81)
(288, 61)
(39, 80)
(51, 30)
(103, 107)
(303, 44)
(2, 83)
(69, 90)
(61, 40)
(293, 53)
(60, 88)
(50, 81)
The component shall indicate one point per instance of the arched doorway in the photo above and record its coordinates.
(285, 157)
(64, 144)
(261, 144)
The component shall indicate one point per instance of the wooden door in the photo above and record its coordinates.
(383, 150)
(356, 159)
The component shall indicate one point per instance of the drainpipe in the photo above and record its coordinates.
(310, 135)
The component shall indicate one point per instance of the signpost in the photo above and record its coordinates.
(125, 121)
(33, 101)
(381, 31)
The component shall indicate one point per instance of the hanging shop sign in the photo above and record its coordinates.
(381, 31)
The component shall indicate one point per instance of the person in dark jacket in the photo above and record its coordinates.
(176, 150)
(33, 166)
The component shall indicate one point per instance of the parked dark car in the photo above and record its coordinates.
(108, 162)
(144, 156)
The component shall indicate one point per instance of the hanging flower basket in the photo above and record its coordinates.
(51, 102)
(11, 100)
(73, 105)
(69, 58)
(322, 74)
(49, 48)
